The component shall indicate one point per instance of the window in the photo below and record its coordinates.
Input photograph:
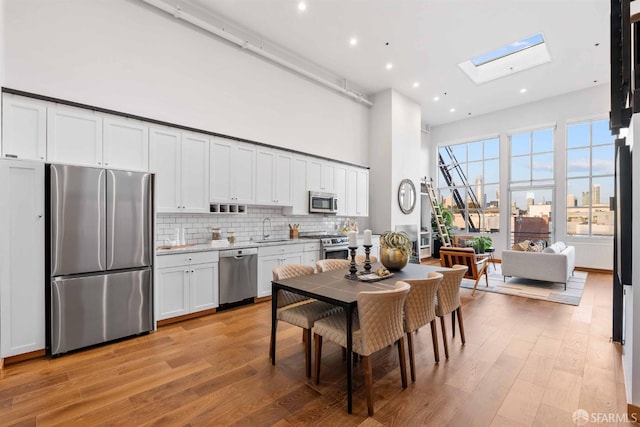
(469, 184)
(590, 178)
(532, 188)
(532, 158)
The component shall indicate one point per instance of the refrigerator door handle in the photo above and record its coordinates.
(102, 219)
(111, 227)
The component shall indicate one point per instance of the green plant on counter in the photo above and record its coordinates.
(397, 240)
(481, 243)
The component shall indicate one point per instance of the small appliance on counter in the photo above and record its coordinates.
(99, 255)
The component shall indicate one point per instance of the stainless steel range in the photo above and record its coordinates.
(333, 246)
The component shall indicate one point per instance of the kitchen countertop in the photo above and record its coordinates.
(238, 245)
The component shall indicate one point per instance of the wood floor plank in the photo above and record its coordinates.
(526, 362)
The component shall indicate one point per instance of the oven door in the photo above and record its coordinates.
(335, 252)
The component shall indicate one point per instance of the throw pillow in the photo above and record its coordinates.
(560, 246)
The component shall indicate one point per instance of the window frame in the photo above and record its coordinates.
(587, 176)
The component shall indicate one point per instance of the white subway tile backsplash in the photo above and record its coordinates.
(246, 226)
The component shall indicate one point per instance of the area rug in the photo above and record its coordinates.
(529, 288)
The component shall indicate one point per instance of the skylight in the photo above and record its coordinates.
(509, 59)
(509, 49)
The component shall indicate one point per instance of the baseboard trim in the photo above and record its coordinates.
(594, 270)
(22, 357)
(185, 317)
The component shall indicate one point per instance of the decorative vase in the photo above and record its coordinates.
(393, 258)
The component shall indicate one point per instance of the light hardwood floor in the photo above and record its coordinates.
(526, 362)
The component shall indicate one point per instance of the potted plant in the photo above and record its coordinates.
(447, 216)
(395, 249)
(481, 243)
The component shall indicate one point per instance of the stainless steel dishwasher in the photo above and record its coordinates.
(238, 277)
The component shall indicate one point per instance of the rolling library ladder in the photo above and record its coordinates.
(437, 213)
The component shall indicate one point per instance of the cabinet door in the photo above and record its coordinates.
(352, 192)
(221, 170)
(24, 128)
(22, 306)
(321, 176)
(243, 169)
(203, 282)
(194, 183)
(362, 193)
(282, 181)
(340, 185)
(164, 161)
(125, 145)
(310, 258)
(299, 192)
(328, 176)
(265, 273)
(74, 137)
(295, 258)
(172, 285)
(265, 176)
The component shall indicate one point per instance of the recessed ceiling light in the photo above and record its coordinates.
(436, 98)
(353, 41)
(452, 110)
(416, 84)
(389, 65)
(302, 6)
(523, 90)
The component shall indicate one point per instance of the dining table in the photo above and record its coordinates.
(335, 288)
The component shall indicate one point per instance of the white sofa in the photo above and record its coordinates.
(554, 264)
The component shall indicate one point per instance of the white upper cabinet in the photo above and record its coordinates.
(74, 136)
(233, 166)
(362, 193)
(125, 144)
(164, 161)
(195, 173)
(181, 164)
(24, 128)
(299, 192)
(321, 175)
(340, 188)
(357, 192)
(273, 177)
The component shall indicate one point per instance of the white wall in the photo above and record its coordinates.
(127, 56)
(585, 104)
(395, 153)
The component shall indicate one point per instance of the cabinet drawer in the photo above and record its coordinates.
(310, 247)
(282, 249)
(175, 260)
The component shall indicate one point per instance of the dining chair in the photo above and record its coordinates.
(360, 258)
(378, 324)
(332, 264)
(299, 310)
(448, 301)
(420, 310)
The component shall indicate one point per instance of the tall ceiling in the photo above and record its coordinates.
(425, 40)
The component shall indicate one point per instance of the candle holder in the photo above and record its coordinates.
(352, 269)
(367, 260)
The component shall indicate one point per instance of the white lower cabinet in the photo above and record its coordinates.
(270, 257)
(186, 283)
(311, 254)
(22, 287)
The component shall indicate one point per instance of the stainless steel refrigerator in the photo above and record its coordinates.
(100, 254)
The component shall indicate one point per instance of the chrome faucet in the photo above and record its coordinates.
(265, 235)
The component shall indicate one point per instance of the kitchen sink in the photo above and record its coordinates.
(270, 240)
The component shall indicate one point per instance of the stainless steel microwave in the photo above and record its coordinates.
(323, 202)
